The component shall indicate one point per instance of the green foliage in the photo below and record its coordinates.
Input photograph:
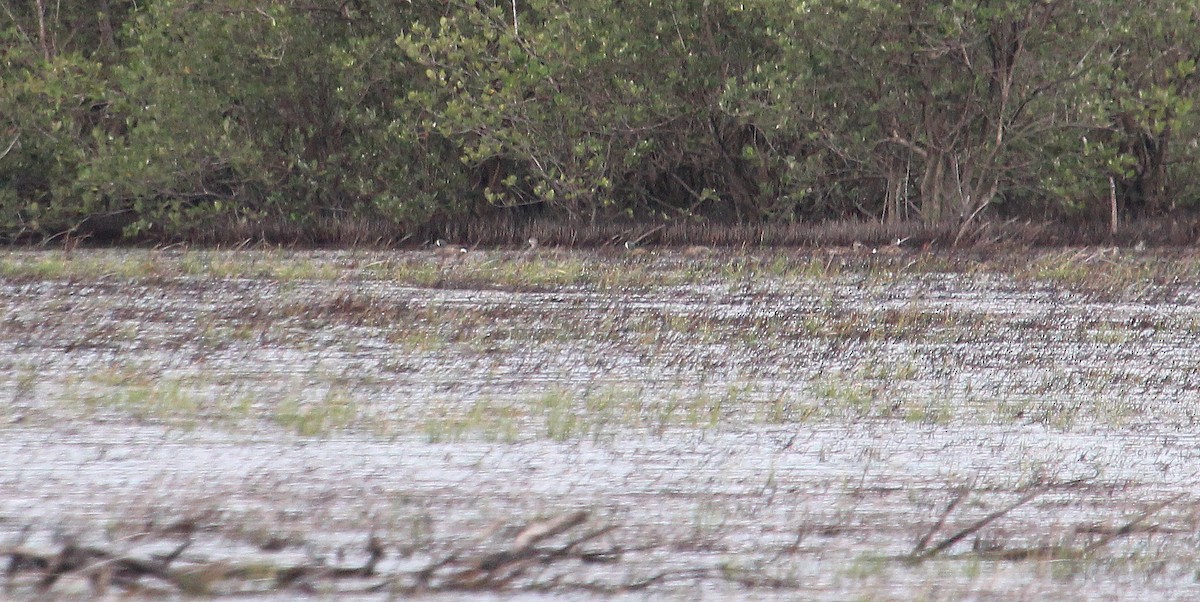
(170, 116)
(237, 110)
(1150, 118)
(51, 109)
(595, 107)
(273, 111)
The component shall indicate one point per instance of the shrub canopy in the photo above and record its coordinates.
(164, 117)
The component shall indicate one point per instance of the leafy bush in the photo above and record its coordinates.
(169, 117)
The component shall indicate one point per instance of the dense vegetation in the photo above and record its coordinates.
(164, 117)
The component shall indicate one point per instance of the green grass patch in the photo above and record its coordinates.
(333, 412)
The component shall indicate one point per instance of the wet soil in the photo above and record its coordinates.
(781, 425)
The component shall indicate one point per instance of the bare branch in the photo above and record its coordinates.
(10, 145)
(979, 524)
(924, 540)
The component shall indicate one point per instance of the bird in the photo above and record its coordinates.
(446, 249)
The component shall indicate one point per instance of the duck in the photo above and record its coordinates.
(446, 249)
(632, 248)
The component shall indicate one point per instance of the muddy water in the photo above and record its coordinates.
(778, 435)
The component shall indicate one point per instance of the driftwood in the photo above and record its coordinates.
(924, 551)
(102, 568)
(457, 571)
(518, 563)
(498, 570)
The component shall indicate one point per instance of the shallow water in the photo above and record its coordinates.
(809, 429)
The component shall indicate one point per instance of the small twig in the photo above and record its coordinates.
(979, 524)
(646, 235)
(540, 530)
(516, 31)
(1059, 551)
(425, 575)
(1114, 215)
(660, 577)
(10, 146)
(1131, 526)
(964, 228)
(1039, 552)
(376, 552)
(924, 541)
(173, 554)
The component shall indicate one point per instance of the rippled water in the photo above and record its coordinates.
(808, 428)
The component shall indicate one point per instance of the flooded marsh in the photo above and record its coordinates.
(764, 424)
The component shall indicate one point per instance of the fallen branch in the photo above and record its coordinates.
(538, 531)
(923, 553)
(98, 564)
(497, 570)
(459, 570)
(1134, 525)
(923, 542)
